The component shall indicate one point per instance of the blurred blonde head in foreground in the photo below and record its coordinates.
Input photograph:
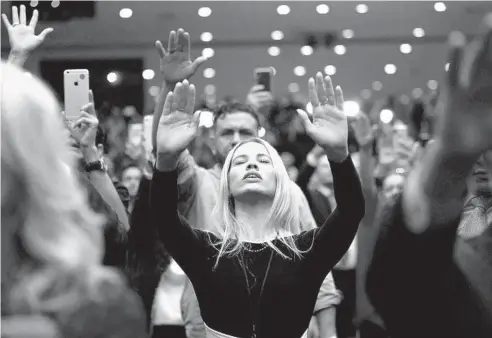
(52, 242)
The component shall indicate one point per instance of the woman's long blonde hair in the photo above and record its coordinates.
(283, 217)
(58, 237)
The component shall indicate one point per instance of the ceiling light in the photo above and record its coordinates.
(208, 73)
(154, 91)
(348, 33)
(208, 52)
(417, 93)
(148, 74)
(33, 3)
(406, 48)
(340, 49)
(351, 108)
(300, 71)
(210, 89)
(112, 77)
(204, 12)
(322, 9)
(390, 69)
(206, 37)
(206, 119)
(274, 51)
(418, 32)
(432, 84)
(277, 35)
(440, 7)
(307, 50)
(366, 94)
(283, 9)
(293, 87)
(126, 13)
(404, 99)
(446, 67)
(377, 86)
(386, 115)
(361, 9)
(55, 3)
(330, 70)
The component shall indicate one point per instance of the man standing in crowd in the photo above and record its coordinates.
(198, 187)
(425, 280)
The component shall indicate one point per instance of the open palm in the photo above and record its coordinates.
(176, 64)
(22, 36)
(466, 122)
(177, 125)
(329, 128)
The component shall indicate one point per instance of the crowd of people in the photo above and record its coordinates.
(274, 222)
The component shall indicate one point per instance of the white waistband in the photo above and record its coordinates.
(211, 333)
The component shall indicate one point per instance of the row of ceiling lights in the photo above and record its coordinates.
(360, 8)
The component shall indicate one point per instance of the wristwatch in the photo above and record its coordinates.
(96, 166)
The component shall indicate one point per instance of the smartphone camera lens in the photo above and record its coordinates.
(76, 83)
(82, 76)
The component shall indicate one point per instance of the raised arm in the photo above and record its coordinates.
(417, 241)
(177, 128)
(21, 35)
(329, 129)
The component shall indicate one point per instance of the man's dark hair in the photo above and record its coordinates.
(235, 107)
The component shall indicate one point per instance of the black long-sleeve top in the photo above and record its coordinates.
(290, 293)
(431, 285)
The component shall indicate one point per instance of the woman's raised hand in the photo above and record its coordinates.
(178, 124)
(22, 34)
(329, 128)
(176, 64)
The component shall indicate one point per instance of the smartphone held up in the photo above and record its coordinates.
(76, 92)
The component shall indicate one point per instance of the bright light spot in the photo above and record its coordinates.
(206, 37)
(366, 94)
(417, 93)
(386, 115)
(432, 84)
(27, 74)
(33, 3)
(154, 91)
(283, 9)
(406, 48)
(112, 77)
(204, 12)
(440, 7)
(208, 52)
(361, 9)
(307, 50)
(340, 49)
(148, 74)
(293, 87)
(208, 73)
(55, 3)
(390, 69)
(206, 119)
(404, 99)
(210, 89)
(277, 35)
(377, 86)
(348, 33)
(351, 108)
(261, 132)
(126, 13)
(446, 67)
(418, 32)
(322, 9)
(274, 51)
(330, 70)
(300, 71)
(309, 108)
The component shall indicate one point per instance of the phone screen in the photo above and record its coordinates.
(264, 79)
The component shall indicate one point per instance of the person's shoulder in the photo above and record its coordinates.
(111, 309)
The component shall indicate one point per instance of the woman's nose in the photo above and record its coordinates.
(252, 165)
